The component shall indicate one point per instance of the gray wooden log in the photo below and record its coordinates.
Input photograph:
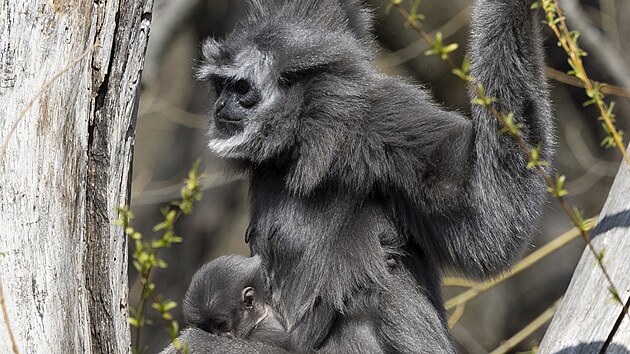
(66, 169)
(586, 320)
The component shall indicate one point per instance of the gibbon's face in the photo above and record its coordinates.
(226, 296)
(271, 78)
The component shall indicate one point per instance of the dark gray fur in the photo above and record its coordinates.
(342, 157)
(214, 302)
(199, 341)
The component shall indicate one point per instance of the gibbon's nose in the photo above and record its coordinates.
(237, 96)
(221, 102)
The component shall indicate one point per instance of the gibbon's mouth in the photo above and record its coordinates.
(228, 127)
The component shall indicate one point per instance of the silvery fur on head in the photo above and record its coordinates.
(277, 51)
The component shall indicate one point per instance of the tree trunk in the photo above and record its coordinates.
(67, 167)
(588, 321)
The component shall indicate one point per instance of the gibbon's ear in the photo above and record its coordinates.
(248, 297)
(359, 19)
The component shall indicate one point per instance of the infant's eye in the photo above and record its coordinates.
(221, 326)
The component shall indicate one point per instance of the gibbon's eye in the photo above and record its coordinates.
(242, 87)
(290, 78)
(216, 327)
(221, 327)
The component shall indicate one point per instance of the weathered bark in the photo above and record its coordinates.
(64, 272)
(588, 320)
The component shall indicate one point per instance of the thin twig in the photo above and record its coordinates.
(568, 43)
(146, 253)
(5, 314)
(574, 81)
(467, 340)
(457, 315)
(537, 323)
(164, 194)
(176, 114)
(603, 48)
(40, 92)
(533, 258)
(145, 294)
(571, 48)
(414, 49)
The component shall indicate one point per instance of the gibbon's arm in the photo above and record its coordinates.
(476, 201)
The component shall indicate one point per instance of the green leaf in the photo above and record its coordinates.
(169, 305)
(600, 256)
(160, 226)
(583, 225)
(559, 190)
(176, 343)
(158, 306)
(173, 331)
(534, 158)
(160, 263)
(510, 126)
(133, 322)
(450, 48)
(430, 52)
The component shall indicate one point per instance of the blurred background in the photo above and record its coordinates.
(173, 121)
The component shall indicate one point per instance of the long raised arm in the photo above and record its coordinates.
(483, 227)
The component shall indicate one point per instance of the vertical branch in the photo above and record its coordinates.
(568, 41)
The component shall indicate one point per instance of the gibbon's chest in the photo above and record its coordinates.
(311, 237)
(288, 229)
